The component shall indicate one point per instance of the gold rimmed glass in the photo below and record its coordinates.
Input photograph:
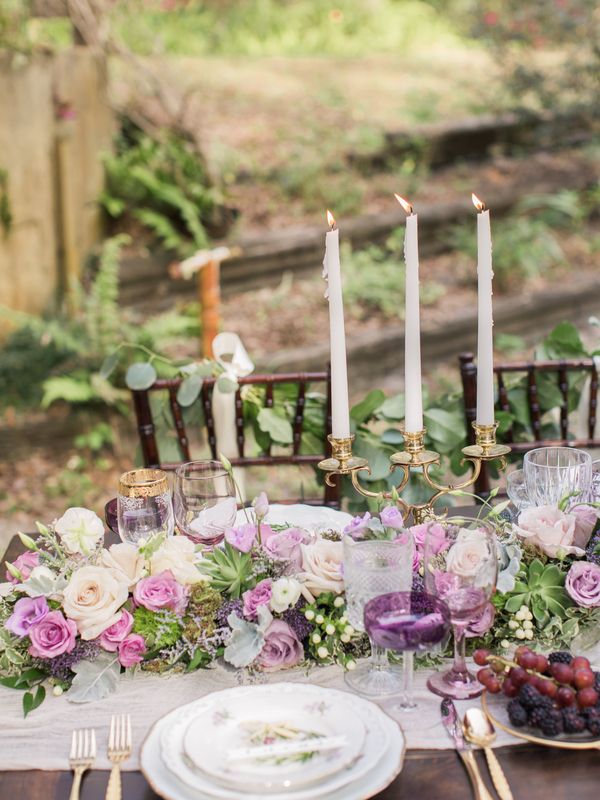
(144, 505)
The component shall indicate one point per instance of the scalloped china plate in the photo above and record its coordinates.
(174, 778)
(311, 518)
(252, 716)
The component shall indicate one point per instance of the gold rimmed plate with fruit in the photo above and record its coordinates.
(552, 700)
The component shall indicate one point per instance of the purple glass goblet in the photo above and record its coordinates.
(110, 515)
(407, 622)
(461, 565)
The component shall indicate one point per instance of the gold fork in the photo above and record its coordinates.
(119, 749)
(81, 757)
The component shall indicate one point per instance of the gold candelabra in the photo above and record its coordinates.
(414, 457)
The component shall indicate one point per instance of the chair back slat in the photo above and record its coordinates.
(184, 446)
(239, 422)
(563, 386)
(269, 404)
(299, 417)
(504, 405)
(146, 428)
(209, 421)
(593, 401)
(534, 406)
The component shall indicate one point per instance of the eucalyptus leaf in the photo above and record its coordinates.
(392, 436)
(140, 376)
(278, 428)
(226, 385)
(189, 390)
(109, 364)
(362, 411)
(444, 428)
(393, 408)
(94, 680)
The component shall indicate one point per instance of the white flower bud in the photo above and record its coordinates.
(319, 619)
(520, 615)
(57, 691)
(309, 614)
(528, 625)
(350, 665)
(513, 624)
(338, 602)
(343, 619)
(344, 638)
(505, 644)
(322, 652)
(316, 638)
(349, 630)
(528, 634)
(520, 634)
(330, 629)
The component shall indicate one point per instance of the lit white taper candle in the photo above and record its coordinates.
(340, 416)
(413, 416)
(485, 323)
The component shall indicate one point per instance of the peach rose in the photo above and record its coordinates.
(322, 567)
(178, 555)
(125, 558)
(550, 530)
(93, 599)
(466, 555)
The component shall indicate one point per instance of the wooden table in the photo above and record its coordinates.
(535, 773)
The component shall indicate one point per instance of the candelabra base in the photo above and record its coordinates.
(487, 453)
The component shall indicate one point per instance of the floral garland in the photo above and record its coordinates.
(74, 615)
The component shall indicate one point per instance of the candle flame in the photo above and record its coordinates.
(404, 203)
(479, 204)
(330, 219)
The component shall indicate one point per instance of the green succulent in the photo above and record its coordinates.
(229, 570)
(541, 588)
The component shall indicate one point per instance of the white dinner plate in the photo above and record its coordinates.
(250, 717)
(382, 733)
(311, 518)
(169, 786)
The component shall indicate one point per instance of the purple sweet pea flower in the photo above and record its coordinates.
(243, 537)
(161, 591)
(52, 636)
(285, 545)
(111, 638)
(391, 517)
(27, 612)
(482, 622)
(282, 648)
(254, 598)
(583, 584)
(24, 563)
(131, 650)
(357, 526)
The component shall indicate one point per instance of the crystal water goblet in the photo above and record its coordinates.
(372, 568)
(205, 501)
(407, 622)
(553, 473)
(144, 505)
(516, 490)
(460, 561)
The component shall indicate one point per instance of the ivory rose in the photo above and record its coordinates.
(93, 598)
(125, 559)
(469, 551)
(178, 555)
(322, 567)
(550, 530)
(80, 530)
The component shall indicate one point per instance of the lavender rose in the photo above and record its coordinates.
(285, 545)
(391, 517)
(254, 598)
(583, 584)
(282, 648)
(482, 622)
(161, 591)
(243, 537)
(53, 636)
(28, 611)
(131, 650)
(113, 636)
(357, 526)
(24, 564)
(586, 518)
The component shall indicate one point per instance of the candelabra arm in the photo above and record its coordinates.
(455, 487)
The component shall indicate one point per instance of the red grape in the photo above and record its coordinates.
(583, 678)
(549, 688)
(485, 675)
(480, 657)
(493, 685)
(587, 697)
(522, 648)
(565, 696)
(562, 672)
(518, 676)
(527, 660)
(509, 688)
(541, 663)
(580, 662)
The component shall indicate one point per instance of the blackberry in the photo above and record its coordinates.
(530, 698)
(573, 722)
(516, 713)
(552, 723)
(536, 716)
(561, 656)
(593, 725)
(597, 681)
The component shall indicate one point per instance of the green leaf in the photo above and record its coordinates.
(27, 703)
(279, 429)
(189, 390)
(536, 568)
(552, 576)
(514, 603)
(29, 676)
(140, 375)
(392, 436)
(226, 385)
(362, 411)
(69, 388)
(444, 428)
(11, 683)
(393, 408)
(109, 364)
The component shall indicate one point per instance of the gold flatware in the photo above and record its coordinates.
(479, 730)
(81, 757)
(451, 721)
(119, 750)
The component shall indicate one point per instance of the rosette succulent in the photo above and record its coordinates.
(229, 570)
(542, 589)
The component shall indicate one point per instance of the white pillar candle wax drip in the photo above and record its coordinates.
(413, 416)
(340, 417)
(485, 337)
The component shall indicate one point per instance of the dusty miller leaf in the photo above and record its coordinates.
(94, 680)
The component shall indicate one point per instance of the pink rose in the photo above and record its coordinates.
(437, 536)
(27, 612)
(282, 648)
(284, 545)
(113, 636)
(131, 650)
(583, 584)
(586, 518)
(482, 622)
(550, 530)
(243, 537)
(254, 598)
(52, 636)
(161, 591)
(357, 526)
(24, 563)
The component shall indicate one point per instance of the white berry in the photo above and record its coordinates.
(528, 634)
(322, 652)
(57, 691)
(310, 614)
(350, 665)
(330, 629)
(319, 619)
(316, 638)
(338, 602)
(520, 634)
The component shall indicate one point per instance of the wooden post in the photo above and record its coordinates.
(68, 234)
(209, 296)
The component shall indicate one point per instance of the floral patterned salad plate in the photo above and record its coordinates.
(275, 737)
